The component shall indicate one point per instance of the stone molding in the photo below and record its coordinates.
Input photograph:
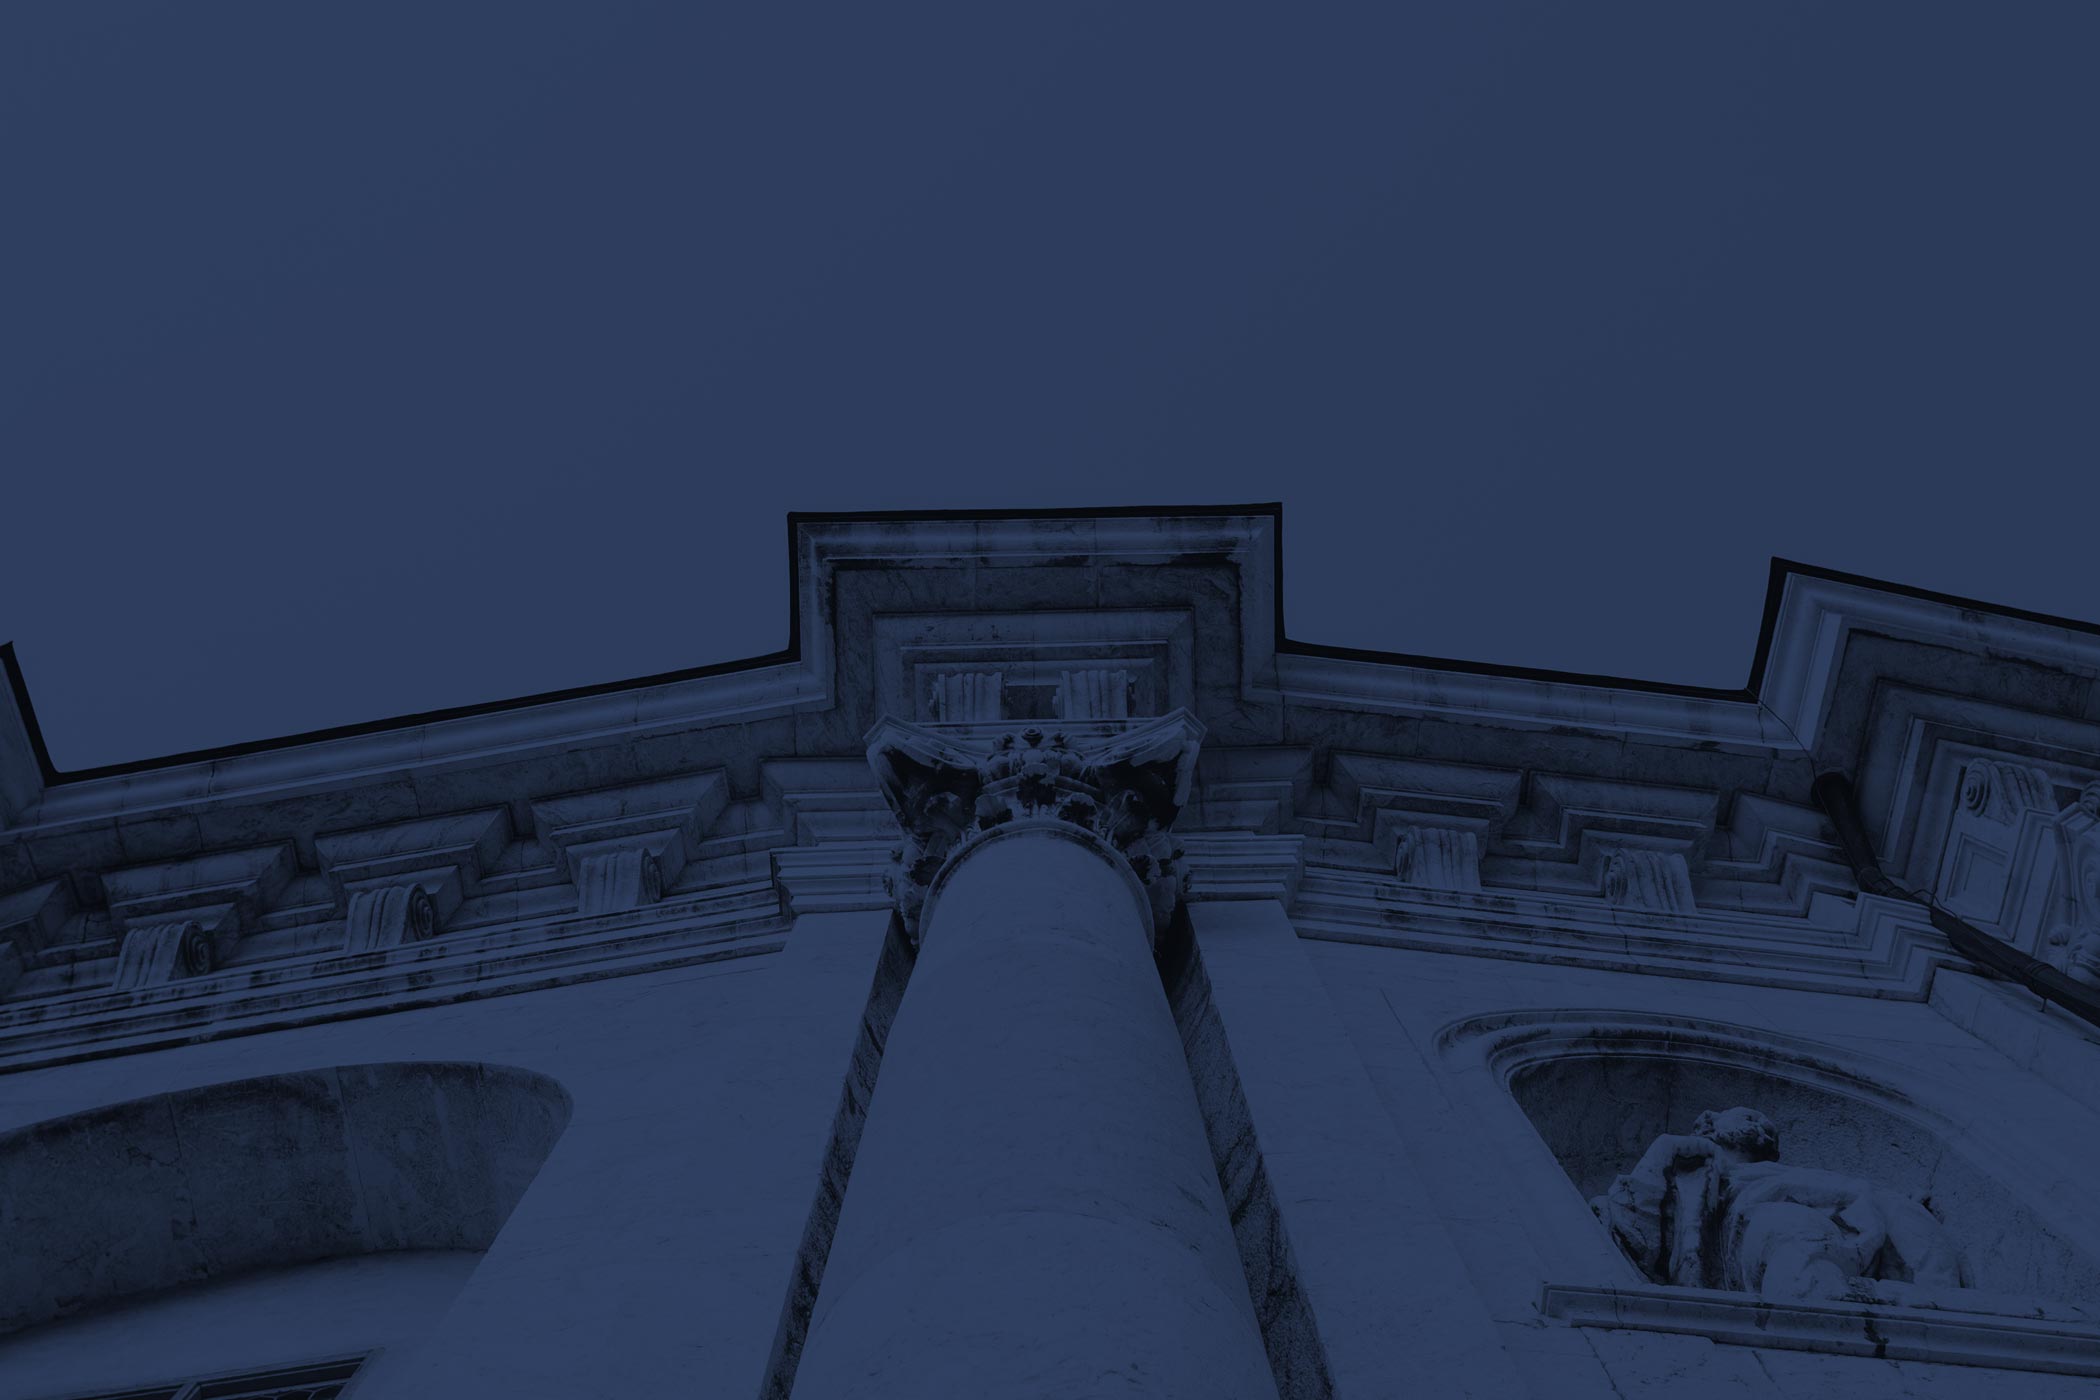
(624, 846)
(1880, 1330)
(224, 891)
(32, 918)
(1817, 617)
(1866, 946)
(1125, 791)
(1510, 1042)
(1226, 865)
(462, 846)
(834, 877)
(470, 964)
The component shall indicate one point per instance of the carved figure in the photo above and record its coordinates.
(1717, 1209)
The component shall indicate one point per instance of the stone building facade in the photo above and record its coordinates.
(1046, 979)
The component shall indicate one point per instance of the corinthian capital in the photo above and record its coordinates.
(1126, 789)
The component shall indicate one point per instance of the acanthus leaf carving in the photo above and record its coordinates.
(1126, 790)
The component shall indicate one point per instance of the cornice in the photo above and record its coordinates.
(726, 922)
(1816, 613)
(1526, 702)
(1589, 808)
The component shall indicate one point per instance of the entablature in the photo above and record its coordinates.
(1513, 813)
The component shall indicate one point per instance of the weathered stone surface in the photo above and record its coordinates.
(1552, 920)
(1034, 1209)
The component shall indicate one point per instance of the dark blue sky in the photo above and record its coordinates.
(364, 359)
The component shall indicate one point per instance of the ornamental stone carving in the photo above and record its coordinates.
(1093, 694)
(1126, 790)
(1658, 881)
(387, 916)
(2073, 941)
(610, 881)
(155, 954)
(1716, 1208)
(963, 697)
(2001, 791)
(1438, 858)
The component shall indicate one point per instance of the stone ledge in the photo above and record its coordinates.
(1886, 1331)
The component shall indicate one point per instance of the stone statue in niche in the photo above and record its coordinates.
(1717, 1209)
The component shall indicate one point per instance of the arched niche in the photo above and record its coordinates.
(1598, 1088)
(206, 1184)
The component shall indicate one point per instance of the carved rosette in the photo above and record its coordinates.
(1125, 790)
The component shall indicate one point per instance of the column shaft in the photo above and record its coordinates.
(1034, 1210)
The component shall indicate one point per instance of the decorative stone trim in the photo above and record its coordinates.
(386, 916)
(31, 919)
(601, 839)
(1508, 1042)
(1239, 865)
(2000, 792)
(1657, 881)
(1093, 694)
(1880, 1330)
(468, 964)
(154, 954)
(1437, 858)
(616, 878)
(963, 697)
(1126, 790)
(465, 846)
(834, 877)
(225, 891)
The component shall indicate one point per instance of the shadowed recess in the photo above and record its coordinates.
(1599, 1112)
(209, 1183)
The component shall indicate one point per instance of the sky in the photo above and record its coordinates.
(357, 360)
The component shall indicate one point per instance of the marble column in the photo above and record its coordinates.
(1034, 1210)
